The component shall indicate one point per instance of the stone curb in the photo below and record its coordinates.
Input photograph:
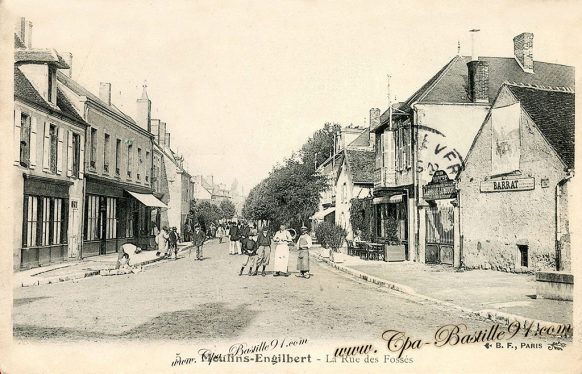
(86, 274)
(490, 314)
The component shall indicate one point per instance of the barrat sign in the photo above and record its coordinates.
(503, 185)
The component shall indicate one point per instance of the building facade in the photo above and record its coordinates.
(421, 145)
(48, 145)
(517, 177)
(118, 199)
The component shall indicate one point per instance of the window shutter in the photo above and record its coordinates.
(17, 126)
(32, 142)
(69, 153)
(46, 151)
(81, 157)
(60, 145)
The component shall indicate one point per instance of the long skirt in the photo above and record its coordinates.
(303, 260)
(281, 257)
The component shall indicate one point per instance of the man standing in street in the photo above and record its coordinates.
(303, 245)
(264, 252)
(198, 239)
(234, 237)
(245, 233)
(250, 250)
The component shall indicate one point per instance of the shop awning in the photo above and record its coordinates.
(148, 199)
(387, 199)
(322, 213)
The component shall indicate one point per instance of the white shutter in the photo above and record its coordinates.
(60, 145)
(46, 151)
(32, 142)
(81, 156)
(16, 141)
(69, 153)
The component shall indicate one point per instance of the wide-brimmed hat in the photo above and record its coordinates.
(303, 228)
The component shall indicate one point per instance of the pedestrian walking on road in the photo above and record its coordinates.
(198, 239)
(173, 243)
(244, 232)
(234, 246)
(220, 233)
(264, 250)
(282, 239)
(250, 250)
(303, 244)
(162, 242)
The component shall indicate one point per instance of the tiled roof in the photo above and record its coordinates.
(82, 91)
(361, 165)
(24, 90)
(363, 140)
(553, 113)
(450, 84)
(42, 56)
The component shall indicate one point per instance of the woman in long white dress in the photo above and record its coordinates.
(282, 239)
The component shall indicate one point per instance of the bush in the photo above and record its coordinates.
(330, 235)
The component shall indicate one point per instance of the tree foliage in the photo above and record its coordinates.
(290, 194)
(361, 217)
(206, 213)
(227, 209)
(330, 235)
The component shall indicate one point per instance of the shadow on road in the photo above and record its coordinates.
(211, 320)
(28, 300)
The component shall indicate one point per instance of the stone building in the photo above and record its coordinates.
(48, 167)
(515, 189)
(421, 144)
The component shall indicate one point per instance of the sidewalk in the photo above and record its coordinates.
(485, 292)
(87, 267)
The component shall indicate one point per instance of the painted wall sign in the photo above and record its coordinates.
(505, 185)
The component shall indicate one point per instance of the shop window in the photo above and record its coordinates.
(92, 217)
(45, 221)
(111, 218)
(30, 221)
(523, 255)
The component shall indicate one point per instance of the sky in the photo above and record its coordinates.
(243, 84)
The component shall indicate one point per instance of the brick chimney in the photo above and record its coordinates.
(523, 51)
(155, 128)
(24, 31)
(374, 122)
(478, 81)
(162, 134)
(167, 141)
(105, 92)
(144, 110)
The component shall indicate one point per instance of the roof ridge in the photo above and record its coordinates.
(541, 87)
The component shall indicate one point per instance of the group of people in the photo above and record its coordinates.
(258, 252)
(168, 238)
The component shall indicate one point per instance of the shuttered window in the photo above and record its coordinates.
(25, 139)
(53, 146)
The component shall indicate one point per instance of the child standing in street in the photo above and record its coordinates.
(250, 250)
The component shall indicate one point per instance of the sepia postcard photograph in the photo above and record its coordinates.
(289, 186)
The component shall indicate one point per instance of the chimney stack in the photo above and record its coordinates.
(388, 78)
(474, 42)
(68, 57)
(24, 31)
(155, 128)
(523, 51)
(105, 92)
(144, 110)
(374, 123)
(167, 142)
(162, 134)
(479, 81)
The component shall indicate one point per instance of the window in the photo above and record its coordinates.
(106, 151)
(92, 217)
(147, 170)
(76, 154)
(129, 159)
(31, 221)
(117, 155)
(407, 148)
(344, 193)
(54, 141)
(523, 255)
(24, 139)
(45, 221)
(111, 218)
(140, 163)
(93, 155)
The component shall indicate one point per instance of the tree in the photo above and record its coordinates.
(206, 213)
(227, 209)
(290, 194)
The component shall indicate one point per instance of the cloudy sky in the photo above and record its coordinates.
(242, 84)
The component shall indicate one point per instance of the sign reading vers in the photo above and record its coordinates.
(440, 187)
(504, 185)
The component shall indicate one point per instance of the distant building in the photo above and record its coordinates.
(514, 193)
